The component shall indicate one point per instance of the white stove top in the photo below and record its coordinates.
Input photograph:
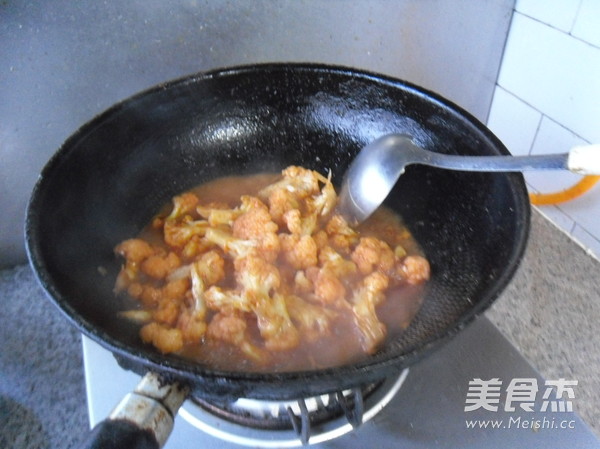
(427, 412)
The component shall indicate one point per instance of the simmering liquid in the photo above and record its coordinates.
(342, 343)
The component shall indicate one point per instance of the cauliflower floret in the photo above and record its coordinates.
(266, 245)
(179, 226)
(341, 235)
(302, 285)
(321, 239)
(313, 321)
(365, 300)
(230, 245)
(147, 294)
(256, 276)
(219, 214)
(299, 181)
(373, 254)
(159, 266)
(281, 201)
(257, 279)
(134, 250)
(175, 290)
(183, 204)
(162, 337)
(211, 267)
(275, 324)
(232, 329)
(167, 312)
(227, 301)
(323, 203)
(328, 288)
(298, 251)
(255, 221)
(298, 224)
(177, 233)
(414, 269)
(195, 246)
(191, 326)
(206, 271)
(334, 262)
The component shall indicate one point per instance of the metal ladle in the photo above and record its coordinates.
(376, 169)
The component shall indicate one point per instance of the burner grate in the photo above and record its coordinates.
(304, 421)
(283, 415)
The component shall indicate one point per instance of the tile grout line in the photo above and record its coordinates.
(542, 113)
(552, 27)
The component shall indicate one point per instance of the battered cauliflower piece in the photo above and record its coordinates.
(373, 254)
(329, 290)
(232, 329)
(298, 224)
(179, 226)
(258, 279)
(178, 233)
(331, 260)
(158, 266)
(323, 203)
(252, 232)
(340, 234)
(164, 338)
(302, 285)
(299, 181)
(210, 268)
(298, 201)
(183, 205)
(364, 302)
(238, 248)
(207, 271)
(135, 251)
(313, 321)
(218, 214)
(254, 221)
(414, 269)
(266, 245)
(226, 301)
(281, 201)
(167, 312)
(299, 251)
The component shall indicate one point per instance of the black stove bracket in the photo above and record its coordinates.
(352, 405)
(301, 423)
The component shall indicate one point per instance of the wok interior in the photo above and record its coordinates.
(109, 179)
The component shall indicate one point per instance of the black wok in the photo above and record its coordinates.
(113, 174)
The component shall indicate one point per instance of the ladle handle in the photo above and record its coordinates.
(584, 160)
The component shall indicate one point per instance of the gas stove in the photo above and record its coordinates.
(430, 405)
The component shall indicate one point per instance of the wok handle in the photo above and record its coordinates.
(143, 419)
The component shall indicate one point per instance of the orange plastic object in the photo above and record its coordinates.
(543, 199)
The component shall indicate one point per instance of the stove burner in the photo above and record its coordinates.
(275, 415)
(312, 420)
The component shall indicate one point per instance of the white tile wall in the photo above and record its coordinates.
(518, 134)
(559, 14)
(548, 99)
(587, 26)
(555, 73)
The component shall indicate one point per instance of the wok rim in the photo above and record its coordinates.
(373, 366)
